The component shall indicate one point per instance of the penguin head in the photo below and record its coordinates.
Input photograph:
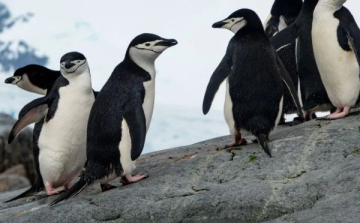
(73, 64)
(240, 19)
(27, 73)
(148, 46)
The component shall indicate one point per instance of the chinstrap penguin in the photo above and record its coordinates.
(284, 13)
(311, 88)
(121, 116)
(34, 78)
(59, 143)
(254, 73)
(336, 41)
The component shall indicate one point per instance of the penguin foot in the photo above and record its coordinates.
(339, 113)
(106, 187)
(51, 191)
(128, 179)
(233, 145)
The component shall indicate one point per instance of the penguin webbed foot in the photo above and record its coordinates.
(51, 191)
(129, 179)
(106, 187)
(233, 145)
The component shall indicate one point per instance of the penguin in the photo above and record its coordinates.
(34, 78)
(121, 116)
(59, 141)
(336, 42)
(284, 13)
(254, 73)
(313, 95)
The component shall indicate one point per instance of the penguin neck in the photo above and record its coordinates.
(144, 61)
(332, 5)
(82, 81)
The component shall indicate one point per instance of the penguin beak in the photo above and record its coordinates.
(9, 80)
(68, 64)
(219, 24)
(167, 42)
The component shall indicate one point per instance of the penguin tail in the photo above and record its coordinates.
(34, 189)
(72, 192)
(263, 142)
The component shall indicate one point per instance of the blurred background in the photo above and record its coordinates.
(41, 32)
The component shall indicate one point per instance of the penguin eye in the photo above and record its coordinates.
(78, 61)
(232, 20)
(148, 44)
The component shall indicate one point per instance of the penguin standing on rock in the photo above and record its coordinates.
(283, 14)
(59, 145)
(254, 73)
(34, 78)
(312, 91)
(336, 41)
(121, 116)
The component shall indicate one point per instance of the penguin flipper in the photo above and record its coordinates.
(136, 121)
(285, 76)
(37, 187)
(272, 26)
(286, 37)
(220, 74)
(348, 23)
(31, 113)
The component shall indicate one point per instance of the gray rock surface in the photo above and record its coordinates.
(314, 176)
(19, 152)
(14, 179)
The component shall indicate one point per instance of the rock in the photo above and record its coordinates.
(19, 152)
(313, 177)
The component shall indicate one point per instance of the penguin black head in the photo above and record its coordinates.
(148, 46)
(286, 8)
(73, 64)
(240, 19)
(33, 78)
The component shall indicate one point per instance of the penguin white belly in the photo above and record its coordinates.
(127, 163)
(149, 100)
(62, 140)
(339, 69)
(228, 112)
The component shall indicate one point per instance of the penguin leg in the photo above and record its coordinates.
(51, 191)
(106, 187)
(339, 113)
(68, 185)
(129, 179)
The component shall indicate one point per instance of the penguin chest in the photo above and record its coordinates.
(338, 68)
(148, 104)
(228, 109)
(62, 140)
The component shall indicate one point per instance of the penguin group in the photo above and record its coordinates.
(303, 59)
